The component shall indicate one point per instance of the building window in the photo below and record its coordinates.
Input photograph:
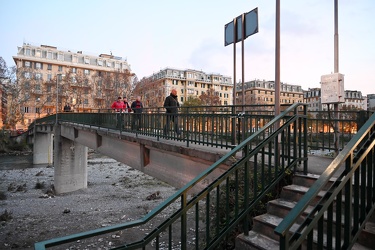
(87, 72)
(100, 62)
(49, 89)
(49, 77)
(38, 65)
(49, 66)
(60, 69)
(26, 109)
(27, 64)
(87, 60)
(86, 101)
(49, 55)
(38, 76)
(60, 57)
(27, 75)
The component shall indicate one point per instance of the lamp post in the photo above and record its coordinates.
(36, 100)
(57, 93)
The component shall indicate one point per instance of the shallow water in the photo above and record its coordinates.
(8, 162)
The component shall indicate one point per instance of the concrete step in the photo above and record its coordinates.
(308, 180)
(367, 236)
(295, 192)
(255, 241)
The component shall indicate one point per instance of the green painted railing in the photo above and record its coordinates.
(213, 125)
(203, 214)
(336, 220)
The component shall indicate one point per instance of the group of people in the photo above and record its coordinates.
(122, 106)
(171, 105)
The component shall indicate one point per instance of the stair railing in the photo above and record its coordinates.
(336, 221)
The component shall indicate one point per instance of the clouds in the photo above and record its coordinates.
(190, 34)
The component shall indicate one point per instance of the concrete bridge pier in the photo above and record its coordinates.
(43, 148)
(70, 164)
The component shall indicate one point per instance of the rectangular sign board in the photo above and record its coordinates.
(332, 88)
(251, 27)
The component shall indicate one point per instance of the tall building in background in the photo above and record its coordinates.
(188, 83)
(371, 102)
(262, 92)
(83, 81)
(354, 100)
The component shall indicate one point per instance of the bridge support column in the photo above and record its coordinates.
(70, 164)
(43, 148)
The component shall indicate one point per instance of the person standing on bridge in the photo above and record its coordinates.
(171, 105)
(137, 107)
(118, 107)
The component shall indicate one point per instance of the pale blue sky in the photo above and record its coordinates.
(155, 34)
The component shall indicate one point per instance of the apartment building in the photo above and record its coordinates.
(353, 100)
(49, 78)
(312, 97)
(188, 83)
(371, 102)
(262, 92)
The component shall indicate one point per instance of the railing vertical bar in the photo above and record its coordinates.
(246, 193)
(370, 183)
(356, 199)
(236, 208)
(348, 203)
(183, 222)
(338, 220)
(363, 187)
(208, 219)
(310, 240)
(262, 174)
(330, 227)
(218, 209)
(197, 225)
(320, 233)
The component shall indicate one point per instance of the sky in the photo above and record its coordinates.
(156, 34)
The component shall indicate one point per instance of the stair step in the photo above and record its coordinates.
(367, 236)
(266, 223)
(295, 193)
(255, 241)
(309, 179)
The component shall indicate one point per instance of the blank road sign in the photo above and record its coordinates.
(251, 27)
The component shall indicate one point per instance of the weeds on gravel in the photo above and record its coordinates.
(3, 196)
(6, 216)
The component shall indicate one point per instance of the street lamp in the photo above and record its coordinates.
(57, 93)
(36, 100)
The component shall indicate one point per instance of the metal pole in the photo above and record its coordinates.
(277, 60)
(243, 73)
(234, 82)
(57, 95)
(336, 70)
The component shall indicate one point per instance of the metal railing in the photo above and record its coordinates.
(336, 221)
(203, 216)
(221, 126)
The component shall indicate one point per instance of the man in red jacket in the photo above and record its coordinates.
(118, 106)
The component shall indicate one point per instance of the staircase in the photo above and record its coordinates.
(262, 235)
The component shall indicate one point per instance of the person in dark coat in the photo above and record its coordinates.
(137, 108)
(171, 105)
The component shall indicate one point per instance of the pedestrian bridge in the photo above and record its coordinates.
(250, 171)
(207, 136)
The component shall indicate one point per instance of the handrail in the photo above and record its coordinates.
(266, 173)
(364, 138)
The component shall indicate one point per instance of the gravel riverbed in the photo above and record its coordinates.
(116, 193)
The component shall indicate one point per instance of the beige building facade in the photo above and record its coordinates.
(188, 83)
(262, 92)
(50, 78)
